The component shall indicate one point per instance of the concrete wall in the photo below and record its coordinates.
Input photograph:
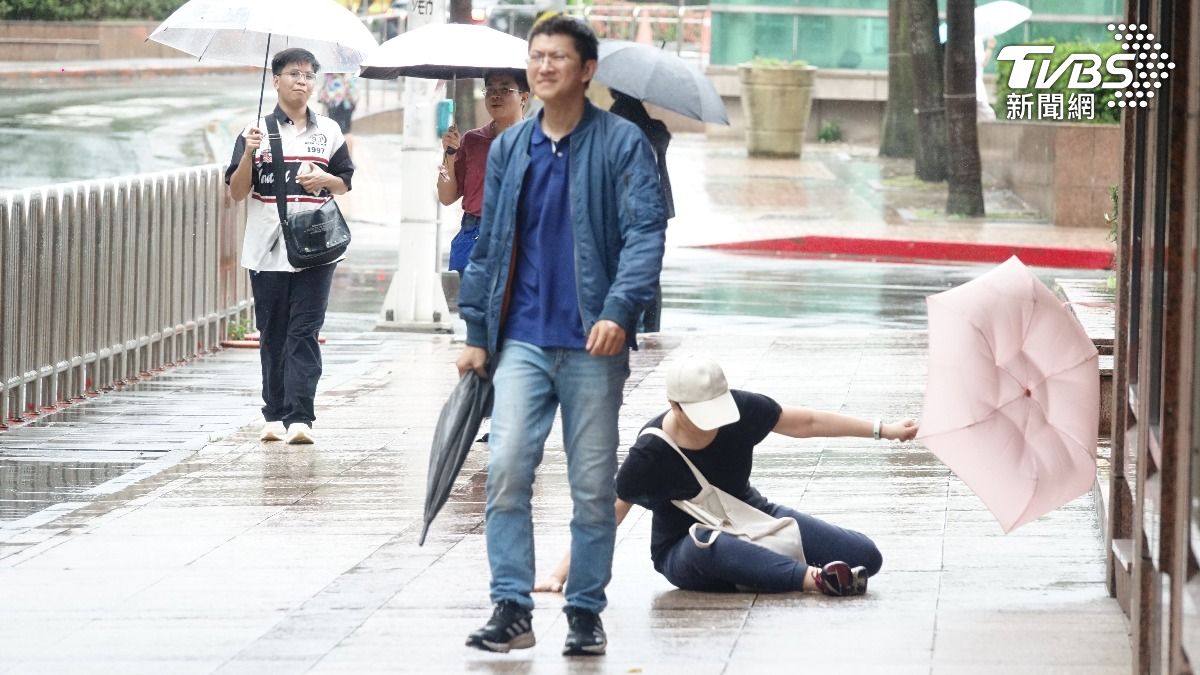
(79, 41)
(1063, 170)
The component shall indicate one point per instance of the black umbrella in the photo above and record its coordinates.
(456, 428)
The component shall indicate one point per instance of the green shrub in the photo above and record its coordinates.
(830, 132)
(86, 10)
(239, 329)
(766, 62)
(1062, 51)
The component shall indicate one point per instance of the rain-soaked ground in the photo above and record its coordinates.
(58, 132)
(242, 557)
(62, 455)
(216, 553)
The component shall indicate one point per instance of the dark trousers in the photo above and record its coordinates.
(289, 310)
(732, 564)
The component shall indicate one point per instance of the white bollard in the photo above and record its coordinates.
(415, 301)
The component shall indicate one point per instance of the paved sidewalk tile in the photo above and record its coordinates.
(267, 558)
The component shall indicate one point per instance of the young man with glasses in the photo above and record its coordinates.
(289, 303)
(464, 161)
(569, 252)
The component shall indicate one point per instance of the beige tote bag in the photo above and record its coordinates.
(721, 512)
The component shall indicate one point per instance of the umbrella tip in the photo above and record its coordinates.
(424, 531)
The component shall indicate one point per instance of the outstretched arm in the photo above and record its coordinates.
(556, 580)
(805, 423)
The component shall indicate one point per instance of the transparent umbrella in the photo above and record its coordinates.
(994, 18)
(247, 31)
(660, 77)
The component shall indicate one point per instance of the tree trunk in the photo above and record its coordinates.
(898, 117)
(929, 145)
(962, 140)
(464, 91)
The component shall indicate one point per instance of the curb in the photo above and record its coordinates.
(76, 73)
(918, 251)
(251, 341)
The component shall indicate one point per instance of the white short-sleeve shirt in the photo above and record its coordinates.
(320, 142)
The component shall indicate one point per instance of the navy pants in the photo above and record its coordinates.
(731, 564)
(289, 310)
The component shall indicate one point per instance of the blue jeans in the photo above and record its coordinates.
(463, 243)
(530, 383)
(731, 563)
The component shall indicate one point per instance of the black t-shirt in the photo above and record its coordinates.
(653, 473)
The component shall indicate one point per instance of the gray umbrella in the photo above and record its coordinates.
(659, 77)
(456, 428)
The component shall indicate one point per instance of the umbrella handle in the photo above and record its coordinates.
(263, 87)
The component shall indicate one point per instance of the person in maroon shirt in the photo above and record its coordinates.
(506, 92)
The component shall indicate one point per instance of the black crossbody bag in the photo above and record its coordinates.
(312, 238)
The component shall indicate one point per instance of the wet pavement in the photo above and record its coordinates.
(220, 554)
(67, 131)
(64, 129)
(249, 557)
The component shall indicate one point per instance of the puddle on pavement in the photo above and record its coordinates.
(27, 487)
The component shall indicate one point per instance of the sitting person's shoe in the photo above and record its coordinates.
(511, 627)
(839, 579)
(272, 431)
(585, 633)
(298, 433)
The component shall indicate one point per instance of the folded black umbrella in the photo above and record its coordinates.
(456, 429)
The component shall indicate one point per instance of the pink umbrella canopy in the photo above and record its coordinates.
(1013, 400)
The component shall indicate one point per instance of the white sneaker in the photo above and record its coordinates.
(272, 431)
(299, 433)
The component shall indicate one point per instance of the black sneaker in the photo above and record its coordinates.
(838, 578)
(511, 627)
(585, 633)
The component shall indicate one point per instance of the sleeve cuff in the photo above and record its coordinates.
(619, 312)
(477, 335)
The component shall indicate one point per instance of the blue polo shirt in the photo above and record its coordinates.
(544, 307)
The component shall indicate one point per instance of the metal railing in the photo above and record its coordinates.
(683, 29)
(103, 282)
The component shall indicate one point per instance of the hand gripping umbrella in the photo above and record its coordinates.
(457, 425)
(246, 31)
(1013, 400)
(660, 77)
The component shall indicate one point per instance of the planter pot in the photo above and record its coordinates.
(776, 103)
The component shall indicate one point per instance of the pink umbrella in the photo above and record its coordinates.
(1013, 401)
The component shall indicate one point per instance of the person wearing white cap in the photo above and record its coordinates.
(717, 428)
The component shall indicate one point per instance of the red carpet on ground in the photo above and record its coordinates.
(902, 250)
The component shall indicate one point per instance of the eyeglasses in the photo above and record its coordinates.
(499, 91)
(300, 74)
(556, 58)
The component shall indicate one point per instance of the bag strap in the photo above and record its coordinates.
(655, 431)
(279, 175)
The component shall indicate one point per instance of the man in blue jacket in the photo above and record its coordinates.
(569, 252)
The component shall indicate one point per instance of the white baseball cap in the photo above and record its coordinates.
(698, 385)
